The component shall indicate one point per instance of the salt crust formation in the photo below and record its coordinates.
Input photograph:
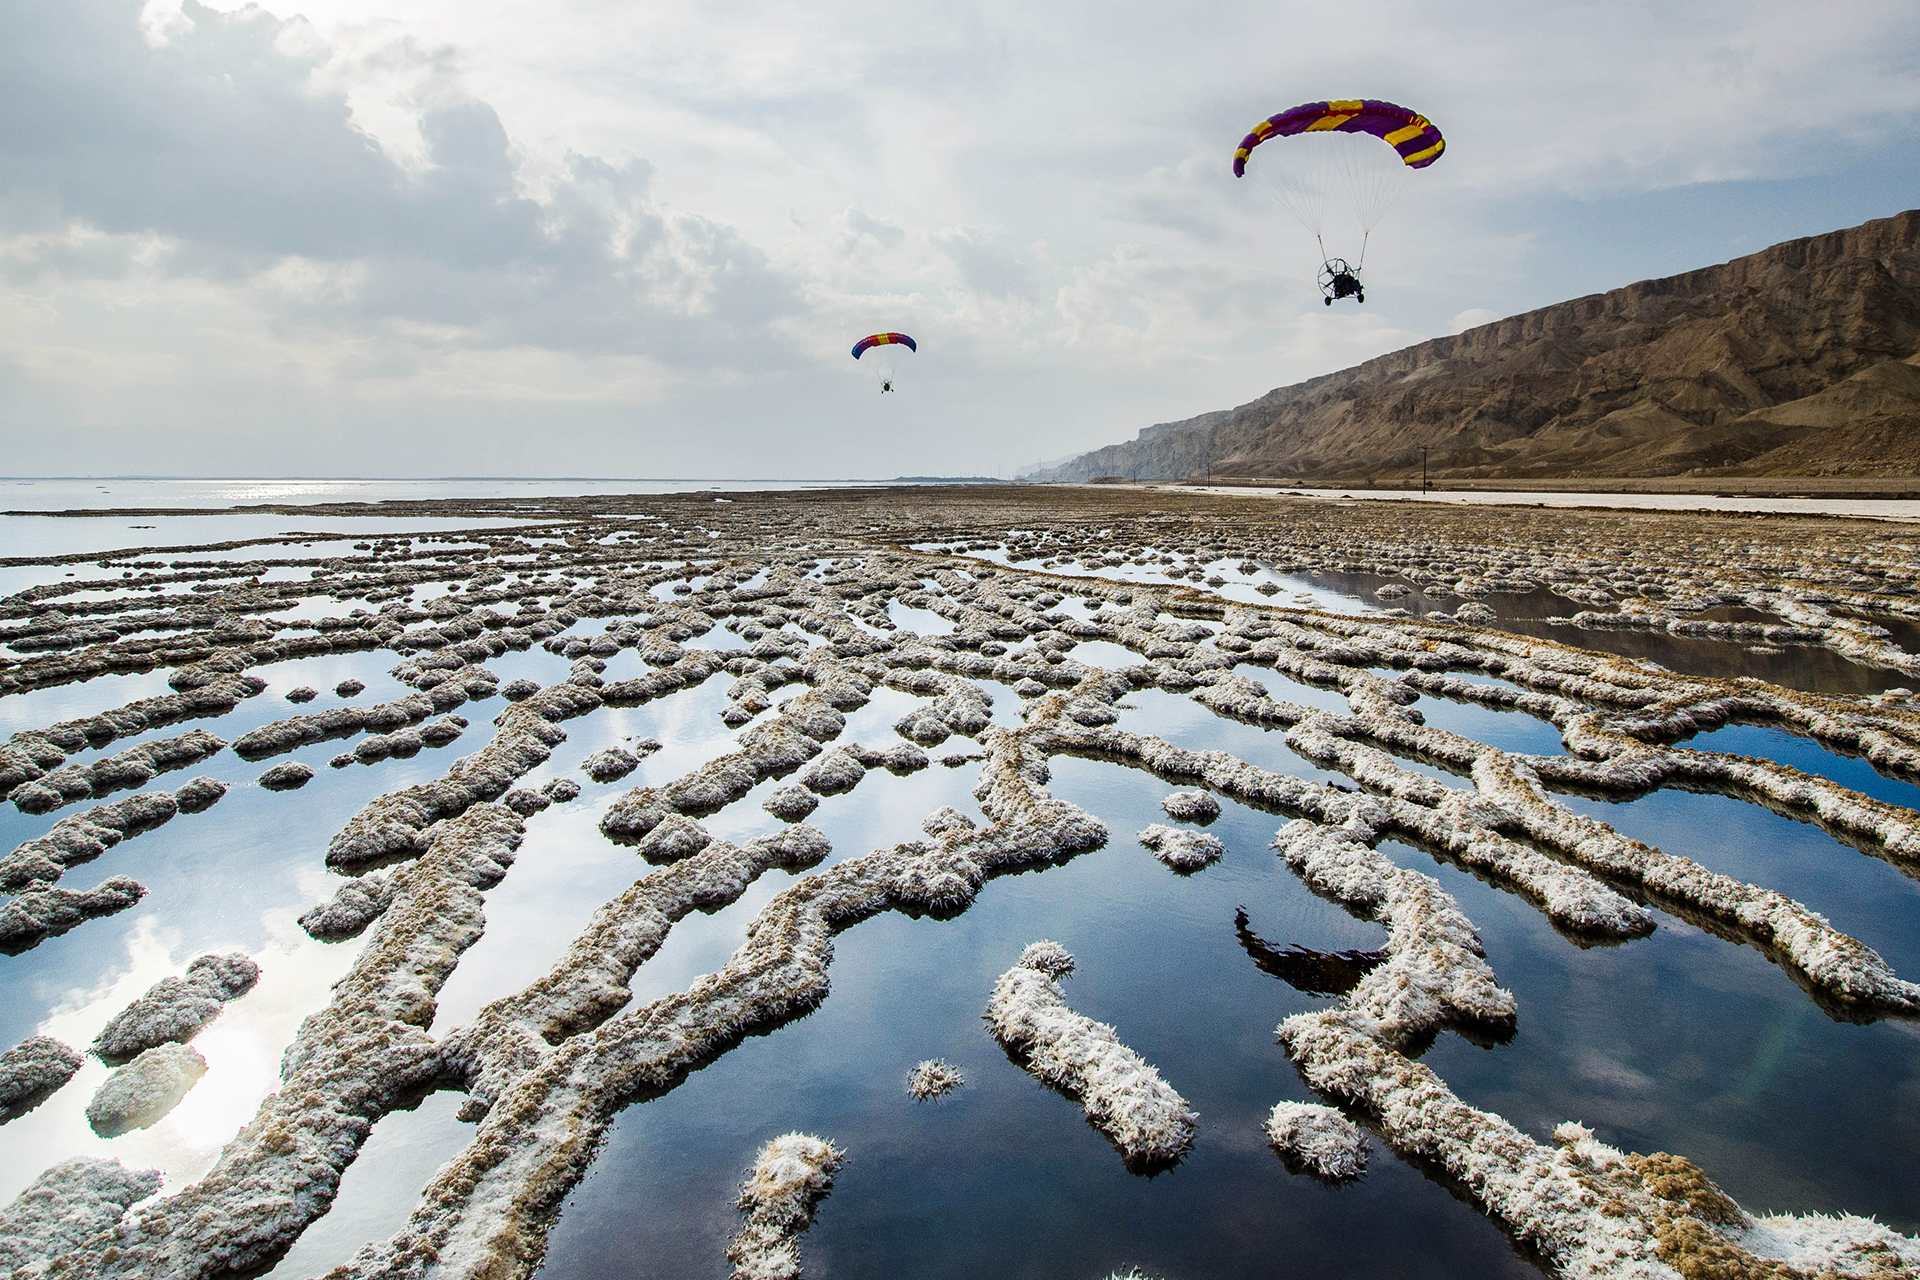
(290, 776)
(933, 1078)
(610, 765)
(1590, 1209)
(337, 722)
(1122, 1094)
(1318, 1140)
(143, 1091)
(176, 1007)
(524, 802)
(81, 837)
(546, 1068)
(790, 1177)
(676, 837)
(67, 1208)
(32, 1069)
(41, 911)
(131, 768)
(199, 794)
(1048, 957)
(1191, 806)
(1184, 851)
(946, 821)
(791, 803)
(32, 754)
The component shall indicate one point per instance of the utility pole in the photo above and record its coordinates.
(1423, 468)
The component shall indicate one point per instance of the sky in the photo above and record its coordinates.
(601, 238)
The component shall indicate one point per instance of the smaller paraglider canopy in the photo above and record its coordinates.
(883, 340)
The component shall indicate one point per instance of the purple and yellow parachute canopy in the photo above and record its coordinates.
(883, 340)
(1407, 132)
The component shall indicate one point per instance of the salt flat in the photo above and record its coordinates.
(1852, 507)
(615, 848)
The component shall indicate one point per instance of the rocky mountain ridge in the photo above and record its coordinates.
(1800, 360)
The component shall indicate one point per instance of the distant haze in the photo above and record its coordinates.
(364, 237)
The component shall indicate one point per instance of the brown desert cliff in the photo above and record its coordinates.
(1800, 360)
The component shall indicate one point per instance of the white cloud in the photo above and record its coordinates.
(440, 222)
(1471, 318)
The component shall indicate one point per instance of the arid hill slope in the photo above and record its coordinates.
(1802, 360)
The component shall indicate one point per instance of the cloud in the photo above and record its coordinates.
(1471, 318)
(375, 234)
(989, 262)
(861, 232)
(220, 144)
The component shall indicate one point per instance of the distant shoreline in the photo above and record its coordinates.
(1882, 487)
(290, 479)
(1898, 504)
(1884, 498)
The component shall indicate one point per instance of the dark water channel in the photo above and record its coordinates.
(1530, 613)
(1683, 1041)
(1005, 1176)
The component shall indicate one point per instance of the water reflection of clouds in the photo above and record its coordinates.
(924, 622)
(1300, 590)
(242, 1047)
(37, 708)
(1106, 654)
(1663, 1037)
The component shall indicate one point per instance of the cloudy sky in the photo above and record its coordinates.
(599, 237)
